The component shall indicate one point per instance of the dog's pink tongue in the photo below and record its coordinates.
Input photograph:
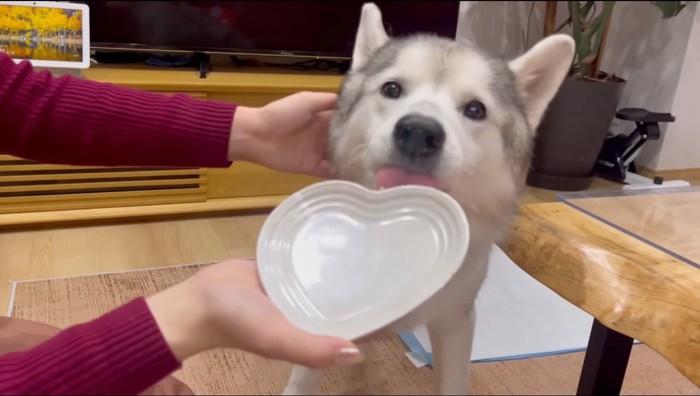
(393, 177)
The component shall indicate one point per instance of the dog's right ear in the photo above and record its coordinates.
(539, 73)
(370, 35)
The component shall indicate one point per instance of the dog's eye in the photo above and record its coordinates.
(391, 90)
(475, 110)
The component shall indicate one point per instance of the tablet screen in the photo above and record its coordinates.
(49, 34)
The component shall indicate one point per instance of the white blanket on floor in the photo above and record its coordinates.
(517, 317)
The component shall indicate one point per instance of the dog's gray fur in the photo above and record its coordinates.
(482, 165)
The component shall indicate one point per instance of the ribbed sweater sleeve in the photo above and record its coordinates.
(80, 122)
(122, 352)
(67, 120)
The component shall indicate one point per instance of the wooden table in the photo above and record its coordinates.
(632, 261)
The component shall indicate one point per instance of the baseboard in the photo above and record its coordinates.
(670, 174)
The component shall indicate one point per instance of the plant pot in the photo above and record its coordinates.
(572, 133)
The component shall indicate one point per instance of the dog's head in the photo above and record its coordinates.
(427, 110)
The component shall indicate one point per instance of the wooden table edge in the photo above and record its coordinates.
(554, 243)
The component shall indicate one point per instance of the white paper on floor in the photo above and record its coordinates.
(517, 317)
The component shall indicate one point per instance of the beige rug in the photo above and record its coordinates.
(63, 302)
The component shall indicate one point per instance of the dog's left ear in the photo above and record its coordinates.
(539, 73)
(370, 35)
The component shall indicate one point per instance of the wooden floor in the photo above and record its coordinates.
(61, 252)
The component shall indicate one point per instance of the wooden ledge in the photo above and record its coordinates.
(133, 213)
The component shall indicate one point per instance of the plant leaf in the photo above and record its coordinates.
(587, 7)
(587, 30)
(600, 20)
(669, 9)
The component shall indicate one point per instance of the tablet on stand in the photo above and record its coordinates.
(52, 35)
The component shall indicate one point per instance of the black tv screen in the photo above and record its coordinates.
(306, 28)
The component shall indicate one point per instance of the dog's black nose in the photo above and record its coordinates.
(418, 136)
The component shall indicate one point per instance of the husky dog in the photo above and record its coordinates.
(427, 110)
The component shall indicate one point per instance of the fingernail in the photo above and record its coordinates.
(349, 356)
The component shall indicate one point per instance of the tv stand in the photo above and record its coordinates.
(199, 60)
(203, 62)
(310, 65)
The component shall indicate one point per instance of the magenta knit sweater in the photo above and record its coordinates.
(78, 122)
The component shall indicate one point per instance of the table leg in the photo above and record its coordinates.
(606, 361)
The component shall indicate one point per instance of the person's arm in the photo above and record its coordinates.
(72, 121)
(136, 345)
(121, 352)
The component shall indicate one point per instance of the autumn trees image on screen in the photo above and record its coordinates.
(41, 33)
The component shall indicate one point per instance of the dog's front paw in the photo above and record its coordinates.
(303, 381)
(295, 389)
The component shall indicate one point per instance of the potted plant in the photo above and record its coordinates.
(573, 129)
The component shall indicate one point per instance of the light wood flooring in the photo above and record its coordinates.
(82, 250)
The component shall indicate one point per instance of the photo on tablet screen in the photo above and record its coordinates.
(42, 33)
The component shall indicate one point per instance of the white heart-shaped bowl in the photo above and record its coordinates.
(339, 259)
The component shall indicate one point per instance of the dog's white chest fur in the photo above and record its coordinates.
(457, 296)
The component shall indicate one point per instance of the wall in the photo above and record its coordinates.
(647, 51)
(498, 27)
(681, 146)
